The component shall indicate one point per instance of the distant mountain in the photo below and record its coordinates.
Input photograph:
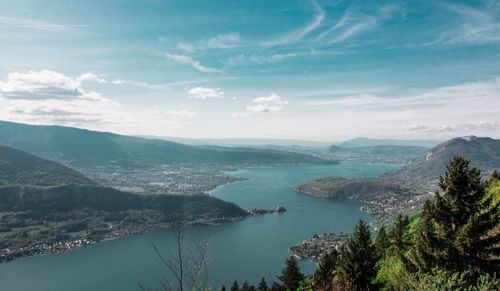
(245, 142)
(380, 153)
(81, 147)
(369, 142)
(407, 189)
(483, 152)
(20, 168)
(28, 182)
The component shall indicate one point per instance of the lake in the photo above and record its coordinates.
(243, 250)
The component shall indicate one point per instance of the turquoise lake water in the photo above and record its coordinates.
(243, 250)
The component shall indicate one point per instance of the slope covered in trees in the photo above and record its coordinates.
(81, 147)
(20, 168)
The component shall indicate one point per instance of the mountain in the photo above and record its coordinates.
(46, 207)
(483, 152)
(408, 188)
(245, 142)
(369, 142)
(380, 153)
(31, 183)
(82, 148)
(20, 168)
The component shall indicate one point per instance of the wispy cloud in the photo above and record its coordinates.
(352, 24)
(300, 33)
(477, 26)
(36, 24)
(220, 41)
(276, 58)
(186, 60)
(456, 95)
(460, 127)
(205, 93)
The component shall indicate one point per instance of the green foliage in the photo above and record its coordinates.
(457, 228)
(392, 274)
(327, 268)
(291, 276)
(358, 260)
(263, 285)
(444, 280)
(381, 243)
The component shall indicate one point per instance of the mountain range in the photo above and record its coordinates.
(85, 148)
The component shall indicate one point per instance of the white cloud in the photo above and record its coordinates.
(45, 84)
(181, 113)
(89, 77)
(294, 36)
(63, 112)
(49, 97)
(271, 103)
(182, 59)
(205, 93)
(241, 114)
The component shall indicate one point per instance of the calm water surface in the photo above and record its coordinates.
(244, 250)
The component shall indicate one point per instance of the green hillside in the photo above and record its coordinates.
(81, 147)
(20, 168)
(483, 152)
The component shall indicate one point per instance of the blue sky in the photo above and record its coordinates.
(321, 70)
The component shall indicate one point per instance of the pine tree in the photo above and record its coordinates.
(358, 258)
(399, 243)
(235, 286)
(223, 288)
(291, 276)
(423, 250)
(464, 218)
(326, 270)
(381, 243)
(263, 285)
(247, 287)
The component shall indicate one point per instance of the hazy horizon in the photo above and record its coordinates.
(322, 71)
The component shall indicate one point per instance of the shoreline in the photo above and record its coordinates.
(46, 248)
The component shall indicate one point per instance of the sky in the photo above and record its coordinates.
(313, 70)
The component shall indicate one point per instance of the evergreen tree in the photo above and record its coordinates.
(223, 288)
(263, 285)
(235, 286)
(464, 218)
(326, 270)
(381, 243)
(277, 287)
(291, 276)
(399, 243)
(358, 260)
(425, 243)
(247, 287)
